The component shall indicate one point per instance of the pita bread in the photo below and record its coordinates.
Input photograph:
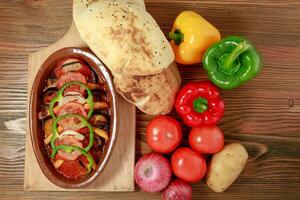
(152, 94)
(139, 3)
(86, 3)
(123, 35)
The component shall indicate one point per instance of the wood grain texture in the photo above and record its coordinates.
(264, 114)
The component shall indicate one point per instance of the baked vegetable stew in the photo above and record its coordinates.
(75, 116)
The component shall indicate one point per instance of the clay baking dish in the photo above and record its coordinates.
(36, 132)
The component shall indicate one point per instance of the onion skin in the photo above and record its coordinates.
(178, 190)
(152, 173)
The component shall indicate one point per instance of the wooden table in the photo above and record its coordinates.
(264, 114)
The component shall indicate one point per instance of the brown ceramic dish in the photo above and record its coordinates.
(36, 127)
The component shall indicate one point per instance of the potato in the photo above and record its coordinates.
(225, 166)
(48, 127)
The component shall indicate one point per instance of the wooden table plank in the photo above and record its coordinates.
(263, 114)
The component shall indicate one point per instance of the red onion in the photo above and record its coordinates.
(178, 190)
(152, 172)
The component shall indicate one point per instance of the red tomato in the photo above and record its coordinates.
(71, 123)
(72, 108)
(74, 65)
(72, 76)
(206, 140)
(188, 165)
(72, 169)
(73, 62)
(164, 134)
(69, 140)
(85, 70)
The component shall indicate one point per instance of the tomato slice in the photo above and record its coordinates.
(72, 98)
(71, 167)
(69, 140)
(67, 65)
(71, 123)
(72, 76)
(72, 170)
(89, 75)
(84, 130)
(72, 108)
(74, 65)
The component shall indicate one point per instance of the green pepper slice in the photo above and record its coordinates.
(59, 97)
(70, 149)
(232, 62)
(55, 133)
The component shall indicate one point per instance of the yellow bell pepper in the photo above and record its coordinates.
(191, 36)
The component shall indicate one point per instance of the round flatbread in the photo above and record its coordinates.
(123, 35)
(152, 94)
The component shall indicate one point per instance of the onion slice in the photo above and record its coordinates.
(71, 98)
(74, 134)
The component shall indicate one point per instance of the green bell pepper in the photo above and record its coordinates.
(232, 62)
(83, 121)
(59, 97)
(70, 149)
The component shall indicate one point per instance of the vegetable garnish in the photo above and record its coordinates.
(232, 62)
(74, 65)
(199, 104)
(84, 123)
(72, 97)
(101, 133)
(74, 134)
(75, 118)
(70, 149)
(191, 36)
(59, 97)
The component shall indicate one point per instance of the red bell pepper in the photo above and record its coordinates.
(199, 104)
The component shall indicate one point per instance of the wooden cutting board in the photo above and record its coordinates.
(118, 174)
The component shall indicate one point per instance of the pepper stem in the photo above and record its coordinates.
(177, 36)
(200, 105)
(231, 59)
